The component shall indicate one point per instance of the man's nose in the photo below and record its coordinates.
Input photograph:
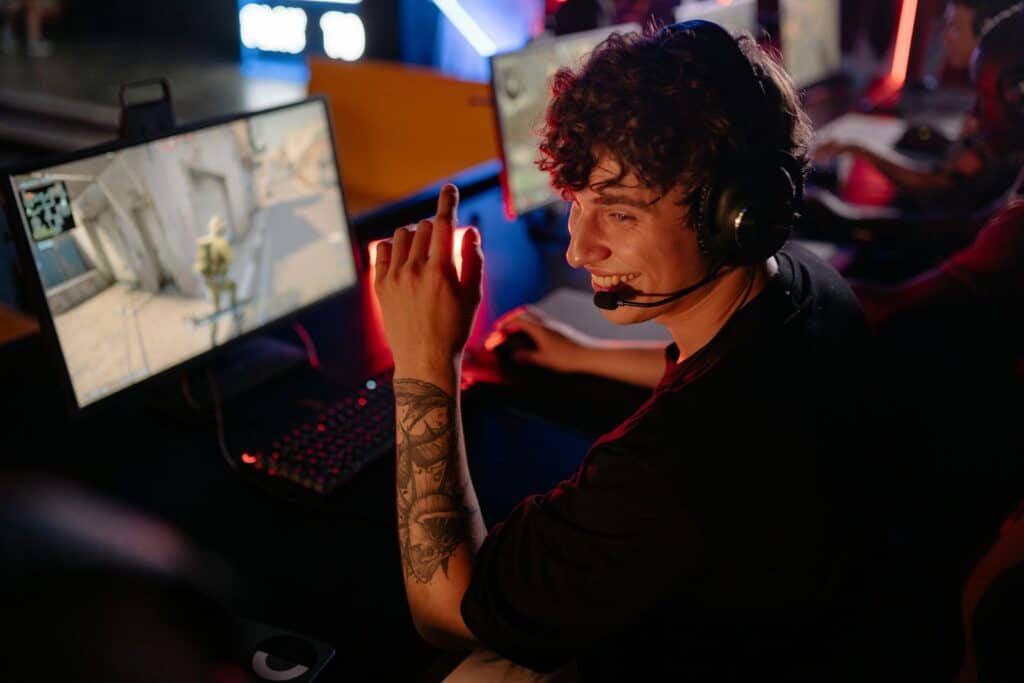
(586, 241)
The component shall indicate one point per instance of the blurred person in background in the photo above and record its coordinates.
(35, 13)
(976, 294)
(969, 175)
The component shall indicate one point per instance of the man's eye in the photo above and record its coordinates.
(620, 217)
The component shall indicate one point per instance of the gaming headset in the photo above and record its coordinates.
(1011, 82)
(748, 210)
(1011, 89)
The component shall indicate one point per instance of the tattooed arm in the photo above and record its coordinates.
(428, 310)
(439, 522)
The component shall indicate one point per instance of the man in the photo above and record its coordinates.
(37, 12)
(976, 293)
(954, 339)
(968, 177)
(960, 27)
(710, 535)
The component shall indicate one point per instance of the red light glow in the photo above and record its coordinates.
(248, 458)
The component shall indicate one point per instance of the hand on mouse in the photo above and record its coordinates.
(829, 149)
(554, 350)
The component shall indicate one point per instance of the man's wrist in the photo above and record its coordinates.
(428, 368)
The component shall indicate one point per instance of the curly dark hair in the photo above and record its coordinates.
(672, 109)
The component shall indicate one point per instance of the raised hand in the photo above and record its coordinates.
(428, 308)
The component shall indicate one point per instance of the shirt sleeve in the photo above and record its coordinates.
(993, 265)
(570, 568)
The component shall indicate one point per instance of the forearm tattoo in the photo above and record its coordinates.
(432, 517)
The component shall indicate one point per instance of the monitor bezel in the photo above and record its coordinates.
(32, 280)
(508, 196)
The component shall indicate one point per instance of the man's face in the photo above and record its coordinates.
(996, 122)
(632, 239)
(958, 35)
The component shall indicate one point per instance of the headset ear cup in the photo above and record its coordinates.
(753, 217)
(707, 238)
(1013, 92)
(776, 212)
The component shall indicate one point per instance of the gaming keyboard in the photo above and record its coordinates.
(329, 449)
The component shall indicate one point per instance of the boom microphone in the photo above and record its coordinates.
(609, 301)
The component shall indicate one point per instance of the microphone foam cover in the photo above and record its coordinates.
(606, 300)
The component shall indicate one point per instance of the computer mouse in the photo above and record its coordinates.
(505, 345)
(925, 139)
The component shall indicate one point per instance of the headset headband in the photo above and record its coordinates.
(992, 22)
(724, 43)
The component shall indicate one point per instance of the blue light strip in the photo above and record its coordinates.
(467, 26)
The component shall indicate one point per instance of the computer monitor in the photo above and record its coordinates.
(148, 255)
(737, 16)
(810, 36)
(521, 82)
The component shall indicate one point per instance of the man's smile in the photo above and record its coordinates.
(609, 281)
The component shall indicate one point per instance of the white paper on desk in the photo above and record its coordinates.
(877, 133)
(880, 133)
(575, 309)
(864, 128)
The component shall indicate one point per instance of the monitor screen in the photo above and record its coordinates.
(737, 16)
(522, 89)
(151, 254)
(809, 33)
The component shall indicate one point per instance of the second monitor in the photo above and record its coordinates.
(522, 90)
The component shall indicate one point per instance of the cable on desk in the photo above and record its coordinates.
(218, 414)
(186, 392)
(307, 340)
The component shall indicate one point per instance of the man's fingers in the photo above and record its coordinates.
(517, 316)
(382, 260)
(444, 223)
(472, 263)
(421, 242)
(508, 318)
(528, 357)
(448, 204)
(402, 241)
(535, 330)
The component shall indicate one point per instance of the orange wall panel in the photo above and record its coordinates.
(401, 128)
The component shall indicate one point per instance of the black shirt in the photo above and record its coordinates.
(708, 536)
